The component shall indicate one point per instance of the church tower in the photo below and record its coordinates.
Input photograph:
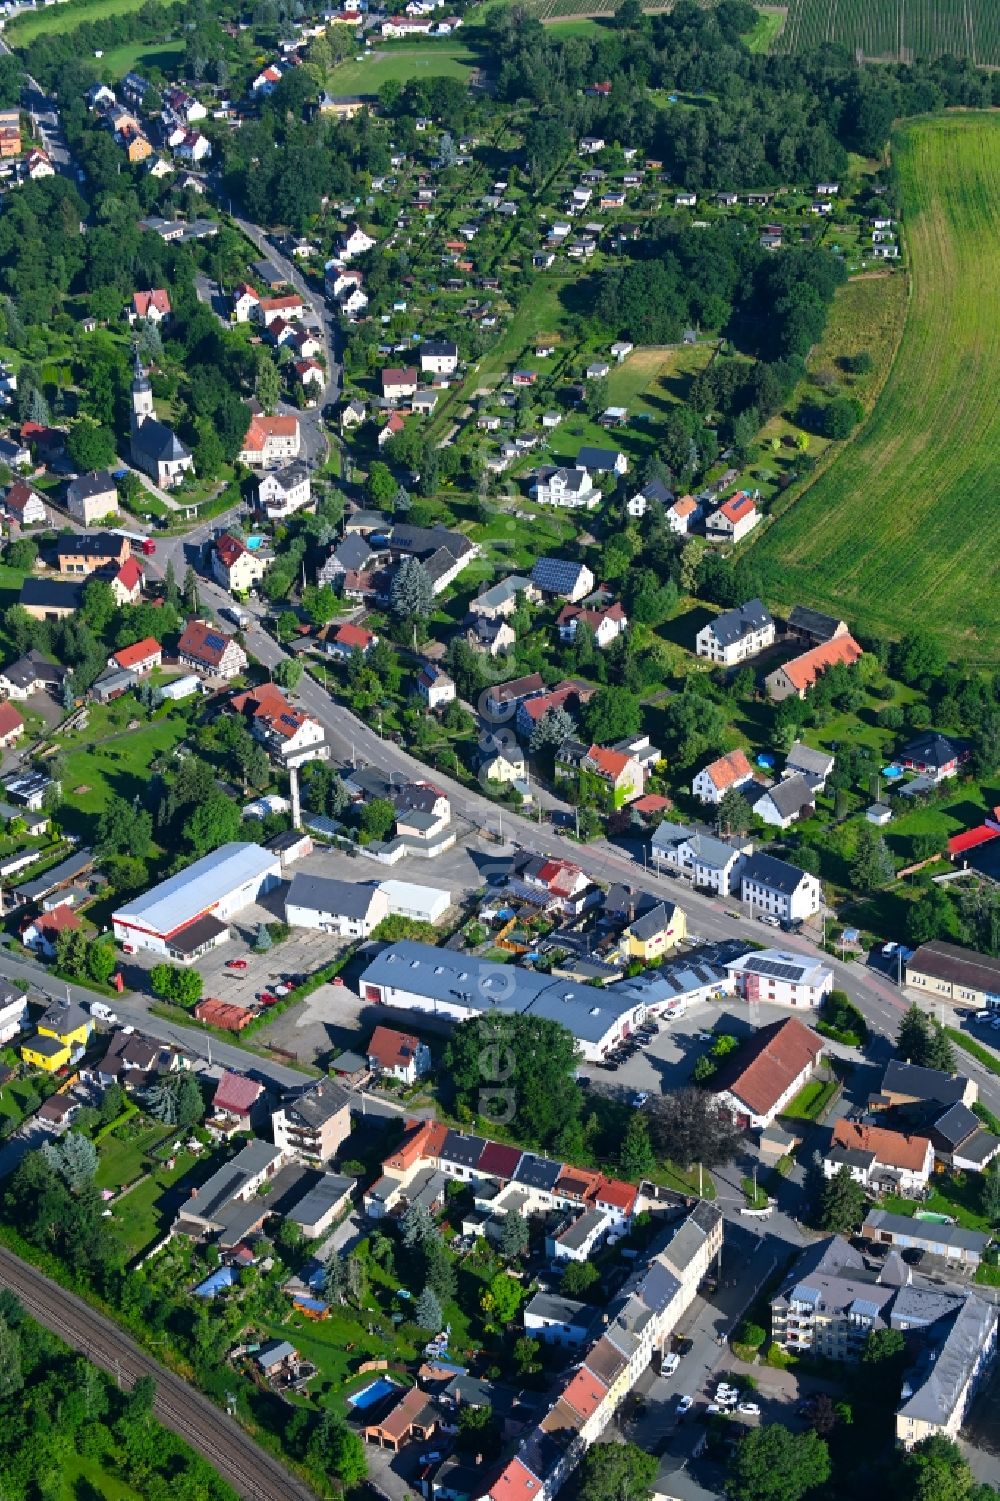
(142, 396)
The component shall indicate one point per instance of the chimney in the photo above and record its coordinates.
(293, 778)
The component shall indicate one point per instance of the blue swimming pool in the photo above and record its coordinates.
(253, 543)
(892, 773)
(369, 1395)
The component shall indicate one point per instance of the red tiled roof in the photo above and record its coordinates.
(737, 506)
(576, 1182)
(129, 574)
(228, 549)
(353, 635)
(236, 1093)
(19, 495)
(499, 1160)
(557, 698)
(585, 1393)
(515, 1483)
(399, 377)
(772, 1060)
(205, 643)
(729, 769)
(223, 1014)
(131, 656)
(653, 802)
(392, 1049)
(158, 298)
(609, 763)
(971, 839)
(287, 299)
(616, 1193)
(893, 1148)
(10, 719)
(58, 920)
(684, 506)
(803, 671)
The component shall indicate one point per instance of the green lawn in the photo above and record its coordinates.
(766, 31)
(108, 759)
(894, 533)
(80, 1477)
(399, 63)
(26, 28)
(123, 1153)
(142, 57)
(957, 1197)
(811, 1100)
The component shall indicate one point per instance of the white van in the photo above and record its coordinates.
(103, 1013)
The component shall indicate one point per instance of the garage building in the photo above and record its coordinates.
(189, 914)
(423, 903)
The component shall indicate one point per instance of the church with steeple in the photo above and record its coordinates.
(156, 448)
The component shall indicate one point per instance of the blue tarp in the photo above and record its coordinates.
(226, 1276)
(313, 1304)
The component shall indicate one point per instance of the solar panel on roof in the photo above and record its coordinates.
(771, 967)
(218, 643)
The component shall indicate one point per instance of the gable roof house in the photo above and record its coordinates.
(734, 519)
(270, 440)
(558, 578)
(799, 675)
(282, 492)
(778, 889)
(736, 635)
(893, 1160)
(398, 1054)
(290, 736)
(607, 623)
(813, 627)
(602, 460)
(150, 307)
(92, 497)
(781, 804)
(565, 695)
(934, 755)
(728, 773)
(24, 505)
(570, 488)
(764, 1075)
(207, 650)
(234, 566)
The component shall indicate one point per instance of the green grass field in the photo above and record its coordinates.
(891, 29)
(88, 1477)
(142, 57)
(24, 29)
(395, 63)
(898, 531)
(107, 758)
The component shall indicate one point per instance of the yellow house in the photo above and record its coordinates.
(63, 1028)
(656, 933)
(47, 1053)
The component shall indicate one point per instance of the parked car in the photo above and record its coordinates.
(751, 1409)
(239, 964)
(684, 1404)
(638, 1100)
(670, 1363)
(768, 920)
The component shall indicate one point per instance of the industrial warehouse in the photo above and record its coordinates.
(189, 914)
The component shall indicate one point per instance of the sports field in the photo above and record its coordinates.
(903, 530)
(899, 29)
(395, 63)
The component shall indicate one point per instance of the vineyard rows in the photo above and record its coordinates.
(897, 29)
(547, 10)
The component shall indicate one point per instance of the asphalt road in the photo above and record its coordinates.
(248, 1468)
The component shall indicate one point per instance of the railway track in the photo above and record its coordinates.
(249, 1469)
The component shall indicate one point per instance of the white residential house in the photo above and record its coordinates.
(438, 357)
(570, 488)
(354, 242)
(282, 492)
(773, 888)
(781, 978)
(734, 519)
(874, 1156)
(728, 773)
(710, 863)
(435, 687)
(246, 302)
(736, 635)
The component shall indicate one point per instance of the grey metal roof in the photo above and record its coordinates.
(601, 459)
(439, 347)
(537, 1172)
(804, 758)
(90, 486)
(325, 894)
(198, 887)
(813, 622)
(731, 626)
(916, 1307)
(59, 875)
(320, 1199)
(463, 1150)
(658, 1287)
(707, 850)
(583, 1227)
(159, 442)
(499, 594)
(655, 921)
(926, 1231)
(63, 1017)
(933, 1392)
(353, 553)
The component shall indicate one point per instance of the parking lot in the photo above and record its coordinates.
(665, 1061)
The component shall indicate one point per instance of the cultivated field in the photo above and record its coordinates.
(898, 29)
(903, 530)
